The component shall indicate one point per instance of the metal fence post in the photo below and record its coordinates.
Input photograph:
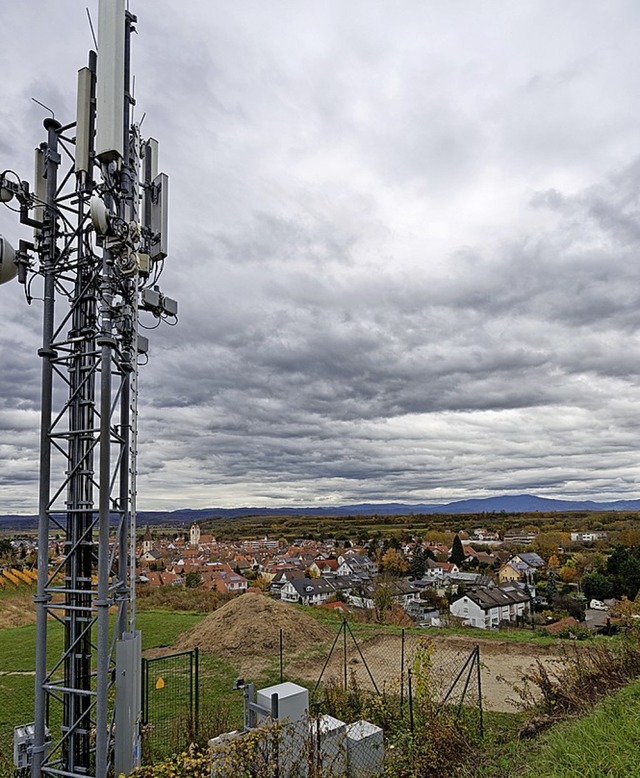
(344, 627)
(480, 692)
(410, 674)
(281, 658)
(318, 734)
(145, 691)
(196, 652)
(402, 673)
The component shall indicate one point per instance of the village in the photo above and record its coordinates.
(478, 580)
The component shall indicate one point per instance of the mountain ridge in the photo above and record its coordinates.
(521, 503)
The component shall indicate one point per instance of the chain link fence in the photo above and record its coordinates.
(373, 695)
(170, 703)
(366, 687)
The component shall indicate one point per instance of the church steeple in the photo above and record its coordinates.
(147, 541)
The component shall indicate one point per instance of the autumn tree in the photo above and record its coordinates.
(548, 543)
(628, 611)
(554, 562)
(435, 536)
(382, 600)
(7, 553)
(393, 563)
(569, 574)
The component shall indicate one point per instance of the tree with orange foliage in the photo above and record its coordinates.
(393, 563)
(569, 574)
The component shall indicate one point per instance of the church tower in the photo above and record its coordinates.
(194, 536)
(147, 541)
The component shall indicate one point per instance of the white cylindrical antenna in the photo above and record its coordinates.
(8, 267)
(110, 96)
(39, 186)
(83, 121)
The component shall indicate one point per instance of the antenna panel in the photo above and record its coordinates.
(160, 217)
(150, 160)
(149, 173)
(83, 121)
(39, 186)
(110, 95)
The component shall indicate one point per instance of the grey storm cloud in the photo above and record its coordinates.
(404, 242)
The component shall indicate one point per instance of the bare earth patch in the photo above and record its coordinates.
(502, 663)
(17, 610)
(245, 632)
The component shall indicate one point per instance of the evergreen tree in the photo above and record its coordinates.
(457, 552)
(193, 579)
(418, 564)
(552, 587)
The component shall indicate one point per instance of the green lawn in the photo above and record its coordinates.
(17, 655)
(603, 744)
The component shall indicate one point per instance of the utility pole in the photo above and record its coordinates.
(99, 211)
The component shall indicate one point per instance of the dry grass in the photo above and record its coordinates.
(18, 609)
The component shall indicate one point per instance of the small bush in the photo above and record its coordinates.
(176, 598)
(194, 762)
(585, 675)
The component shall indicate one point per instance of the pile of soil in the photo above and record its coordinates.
(249, 626)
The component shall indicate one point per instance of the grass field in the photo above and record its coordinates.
(604, 743)
(600, 745)
(17, 660)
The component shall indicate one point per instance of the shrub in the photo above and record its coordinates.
(585, 675)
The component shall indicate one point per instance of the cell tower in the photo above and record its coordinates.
(98, 209)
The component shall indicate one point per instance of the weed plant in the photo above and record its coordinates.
(584, 676)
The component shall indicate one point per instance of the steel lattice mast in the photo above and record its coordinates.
(100, 242)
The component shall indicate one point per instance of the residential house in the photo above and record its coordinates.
(588, 537)
(422, 611)
(324, 567)
(228, 582)
(481, 557)
(402, 593)
(519, 537)
(306, 591)
(488, 607)
(439, 572)
(270, 570)
(150, 557)
(521, 567)
(281, 578)
(357, 564)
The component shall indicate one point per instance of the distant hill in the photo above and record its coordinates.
(521, 503)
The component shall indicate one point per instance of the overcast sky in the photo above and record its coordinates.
(404, 238)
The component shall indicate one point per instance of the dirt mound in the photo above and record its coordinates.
(249, 626)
